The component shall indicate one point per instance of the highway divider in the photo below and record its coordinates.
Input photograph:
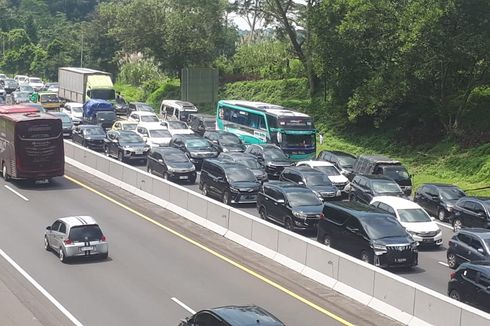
(396, 297)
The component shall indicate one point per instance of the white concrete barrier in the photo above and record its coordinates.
(390, 294)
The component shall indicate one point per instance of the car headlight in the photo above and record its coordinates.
(414, 245)
(300, 215)
(225, 150)
(339, 193)
(169, 169)
(232, 189)
(379, 249)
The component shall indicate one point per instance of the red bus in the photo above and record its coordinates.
(31, 144)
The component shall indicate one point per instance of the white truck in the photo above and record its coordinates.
(82, 84)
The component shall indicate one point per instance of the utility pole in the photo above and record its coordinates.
(81, 54)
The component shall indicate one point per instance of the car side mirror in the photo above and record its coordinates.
(301, 183)
(480, 250)
(281, 201)
(48, 228)
(160, 161)
(480, 214)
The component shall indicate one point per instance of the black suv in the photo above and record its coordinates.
(470, 283)
(125, 146)
(438, 199)
(171, 164)
(138, 106)
(232, 183)
(382, 165)
(471, 212)
(200, 123)
(471, 244)
(342, 160)
(367, 233)
(248, 160)
(365, 187)
(90, 136)
(294, 206)
(195, 147)
(225, 141)
(313, 179)
(271, 156)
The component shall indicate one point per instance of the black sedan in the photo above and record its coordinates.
(170, 163)
(225, 141)
(90, 136)
(438, 199)
(195, 147)
(473, 212)
(126, 146)
(231, 316)
(247, 160)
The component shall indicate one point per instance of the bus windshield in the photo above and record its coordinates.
(103, 94)
(298, 140)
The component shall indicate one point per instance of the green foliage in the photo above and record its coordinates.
(168, 90)
(136, 72)
(129, 92)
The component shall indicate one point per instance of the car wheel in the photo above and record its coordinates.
(457, 224)
(104, 256)
(84, 143)
(149, 170)
(106, 151)
(454, 294)
(165, 176)
(366, 257)
(5, 175)
(192, 181)
(352, 197)
(226, 198)
(62, 256)
(205, 190)
(441, 215)
(46, 244)
(263, 213)
(452, 261)
(288, 223)
(120, 156)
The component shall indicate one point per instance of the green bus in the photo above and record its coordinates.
(257, 122)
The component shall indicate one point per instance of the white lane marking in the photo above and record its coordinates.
(443, 263)
(183, 305)
(41, 289)
(445, 225)
(17, 193)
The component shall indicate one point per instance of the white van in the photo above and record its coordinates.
(21, 79)
(177, 110)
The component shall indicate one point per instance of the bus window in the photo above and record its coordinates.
(272, 121)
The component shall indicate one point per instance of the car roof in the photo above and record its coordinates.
(246, 316)
(90, 127)
(376, 177)
(480, 232)
(442, 185)
(125, 132)
(482, 266)
(167, 150)
(476, 198)
(78, 220)
(286, 186)
(316, 163)
(340, 153)
(128, 122)
(355, 208)
(238, 155)
(303, 170)
(396, 202)
(74, 104)
(143, 113)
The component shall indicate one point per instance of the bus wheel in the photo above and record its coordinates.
(5, 175)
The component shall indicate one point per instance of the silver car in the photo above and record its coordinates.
(76, 236)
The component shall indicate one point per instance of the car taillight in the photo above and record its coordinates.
(322, 216)
(67, 241)
(453, 275)
(102, 238)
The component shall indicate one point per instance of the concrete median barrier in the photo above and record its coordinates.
(291, 249)
(435, 308)
(239, 227)
(130, 176)
(264, 238)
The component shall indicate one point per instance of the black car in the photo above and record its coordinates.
(468, 245)
(225, 141)
(200, 123)
(170, 163)
(232, 316)
(367, 233)
(196, 148)
(121, 107)
(10, 85)
(471, 212)
(139, 106)
(66, 121)
(90, 136)
(230, 182)
(365, 187)
(342, 160)
(438, 199)
(126, 146)
(294, 206)
(271, 157)
(248, 160)
(470, 283)
(313, 179)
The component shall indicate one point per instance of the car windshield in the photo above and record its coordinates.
(383, 227)
(149, 118)
(303, 198)
(317, 180)
(144, 107)
(85, 233)
(176, 158)
(77, 109)
(65, 118)
(94, 132)
(328, 170)
(346, 161)
(396, 172)
(487, 242)
(49, 98)
(177, 125)
(35, 80)
(197, 143)
(381, 187)
(229, 139)
(26, 88)
(209, 123)
(452, 193)
(237, 174)
(275, 154)
(160, 133)
(251, 163)
(486, 204)
(130, 138)
(21, 95)
(129, 126)
(414, 215)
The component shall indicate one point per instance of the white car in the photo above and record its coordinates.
(22, 79)
(414, 218)
(143, 116)
(36, 83)
(176, 127)
(155, 136)
(74, 111)
(336, 177)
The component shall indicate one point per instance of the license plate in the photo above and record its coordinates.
(87, 248)
(401, 260)
(427, 240)
(139, 151)
(183, 177)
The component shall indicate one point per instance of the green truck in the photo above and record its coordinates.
(83, 84)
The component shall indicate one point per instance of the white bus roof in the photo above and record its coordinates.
(266, 107)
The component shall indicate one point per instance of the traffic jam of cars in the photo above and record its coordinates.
(363, 205)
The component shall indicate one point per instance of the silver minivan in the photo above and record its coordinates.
(76, 236)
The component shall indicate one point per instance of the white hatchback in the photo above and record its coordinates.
(154, 135)
(414, 218)
(176, 127)
(143, 116)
